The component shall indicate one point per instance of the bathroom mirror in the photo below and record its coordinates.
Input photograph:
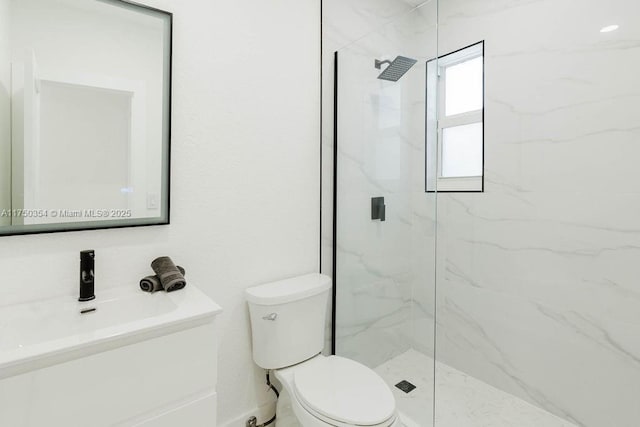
(84, 115)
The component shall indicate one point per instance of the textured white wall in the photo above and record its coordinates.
(245, 168)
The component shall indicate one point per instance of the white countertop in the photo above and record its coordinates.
(42, 333)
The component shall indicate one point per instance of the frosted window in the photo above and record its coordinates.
(455, 121)
(463, 90)
(462, 151)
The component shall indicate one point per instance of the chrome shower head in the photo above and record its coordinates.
(396, 69)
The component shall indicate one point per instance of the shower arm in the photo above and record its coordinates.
(378, 63)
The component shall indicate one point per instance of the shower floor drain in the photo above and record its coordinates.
(405, 386)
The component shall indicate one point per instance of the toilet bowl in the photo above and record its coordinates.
(288, 325)
(334, 391)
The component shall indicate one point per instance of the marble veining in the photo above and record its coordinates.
(633, 97)
(537, 291)
(590, 329)
(377, 341)
(574, 224)
(578, 138)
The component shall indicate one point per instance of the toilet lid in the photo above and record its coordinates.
(346, 391)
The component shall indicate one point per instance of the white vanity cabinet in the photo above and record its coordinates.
(156, 372)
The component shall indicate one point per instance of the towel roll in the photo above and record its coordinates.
(152, 283)
(170, 276)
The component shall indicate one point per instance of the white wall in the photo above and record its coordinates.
(5, 108)
(245, 168)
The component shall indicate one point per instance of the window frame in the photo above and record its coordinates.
(437, 182)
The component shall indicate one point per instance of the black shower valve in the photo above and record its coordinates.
(378, 208)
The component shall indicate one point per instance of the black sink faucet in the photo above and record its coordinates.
(87, 275)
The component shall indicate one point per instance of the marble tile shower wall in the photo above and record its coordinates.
(538, 290)
(381, 131)
(343, 22)
(374, 276)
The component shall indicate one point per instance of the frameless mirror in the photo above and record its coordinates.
(84, 115)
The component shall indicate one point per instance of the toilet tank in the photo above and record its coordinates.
(288, 319)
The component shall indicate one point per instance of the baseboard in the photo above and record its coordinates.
(262, 413)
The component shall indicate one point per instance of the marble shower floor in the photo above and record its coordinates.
(461, 400)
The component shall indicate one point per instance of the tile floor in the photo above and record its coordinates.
(462, 401)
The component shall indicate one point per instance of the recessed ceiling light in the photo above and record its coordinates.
(609, 28)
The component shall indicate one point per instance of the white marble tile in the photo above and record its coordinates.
(346, 21)
(460, 400)
(371, 343)
(537, 277)
(379, 143)
(418, 369)
(562, 358)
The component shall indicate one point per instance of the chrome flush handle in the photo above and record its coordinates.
(271, 316)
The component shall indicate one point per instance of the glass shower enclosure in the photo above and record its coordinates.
(487, 212)
(385, 221)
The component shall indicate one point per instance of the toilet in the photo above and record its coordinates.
(288, 330)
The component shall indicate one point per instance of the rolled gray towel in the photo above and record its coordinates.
(152, 283)
(170, 276)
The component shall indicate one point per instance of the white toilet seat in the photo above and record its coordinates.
(339, 392)
(331, 422)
